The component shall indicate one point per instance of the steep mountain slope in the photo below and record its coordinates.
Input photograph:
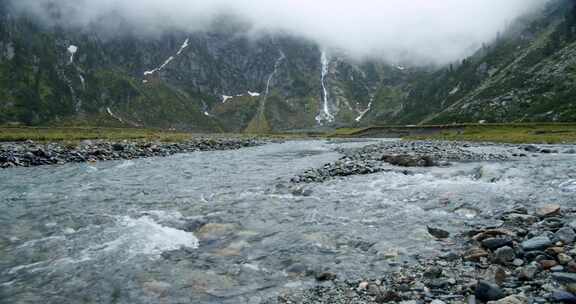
(528, 74)
(221, 80)
(225, 80)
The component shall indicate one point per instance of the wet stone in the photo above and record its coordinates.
(527, 273)
(495, 243)
(537, 243)
(548, 210)
(564, 259)
(566, 235)
(488, 292)
(563, 296)
(504, 255)
(515, 299)
(438, 233)
(547, 264)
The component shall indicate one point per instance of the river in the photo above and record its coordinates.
(228, 227)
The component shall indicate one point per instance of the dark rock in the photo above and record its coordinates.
(118, 147)
(564, 277)
(409, 160)
(537, 243)
(495, 243)
(566, 235)
(563, 296)
(528, 273)
(325, 276)
(531, 149)
(438, 233)
(388, 296)
(488, 292)
(504, 255)
(571, 266)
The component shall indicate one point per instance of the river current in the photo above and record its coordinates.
(228, 227)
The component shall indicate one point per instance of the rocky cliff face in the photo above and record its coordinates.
(224, 80)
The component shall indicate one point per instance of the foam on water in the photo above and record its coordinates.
(145, 236)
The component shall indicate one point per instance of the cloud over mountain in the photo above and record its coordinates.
(420, 31)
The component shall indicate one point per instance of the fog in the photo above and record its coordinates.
(418, 31)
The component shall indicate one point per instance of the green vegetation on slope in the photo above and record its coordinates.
(48, 134)
(510, 133)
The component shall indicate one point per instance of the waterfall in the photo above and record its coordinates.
(324, 114)
(276, 66)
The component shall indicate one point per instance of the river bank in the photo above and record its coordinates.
(403, 156)
(528, 257)
(31, 154)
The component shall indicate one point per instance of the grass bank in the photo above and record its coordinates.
(49, 134)
(509, 133)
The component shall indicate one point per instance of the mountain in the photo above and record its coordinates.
(527, 75)
(226, 80)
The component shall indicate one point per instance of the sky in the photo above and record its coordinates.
(417, 31)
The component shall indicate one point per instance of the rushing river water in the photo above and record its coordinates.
(227, 227)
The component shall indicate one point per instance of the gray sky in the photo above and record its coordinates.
(431, 31)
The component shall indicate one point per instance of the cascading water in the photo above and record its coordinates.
(363, 113)
(324, 115)
(276, 66)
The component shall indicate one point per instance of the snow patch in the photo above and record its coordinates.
(184, 45)
(454, 90)
(226, 98)
(363, 113)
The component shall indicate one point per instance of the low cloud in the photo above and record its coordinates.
(419, 31)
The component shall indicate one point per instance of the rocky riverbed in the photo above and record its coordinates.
(528, 257)
(30, 154)
(396, 156)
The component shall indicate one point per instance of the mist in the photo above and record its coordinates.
(397, 31)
